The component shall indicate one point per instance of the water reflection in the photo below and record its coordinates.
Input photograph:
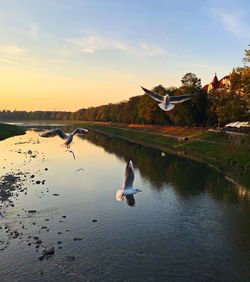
(187, 177)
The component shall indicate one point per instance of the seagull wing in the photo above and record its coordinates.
(80, 131)
(129, 176)
(130, 200)
(54, 132)
(179, 99)
(153, 95)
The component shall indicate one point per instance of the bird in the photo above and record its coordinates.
(167, 101)
(71, 153)
(60, 133)
(128, 189)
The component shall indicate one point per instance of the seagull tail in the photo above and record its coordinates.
(166, 107)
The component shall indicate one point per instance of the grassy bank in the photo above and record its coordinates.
(228, 153)
(7, 130)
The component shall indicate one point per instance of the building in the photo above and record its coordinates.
(217, 84)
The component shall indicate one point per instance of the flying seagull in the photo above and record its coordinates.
(167, 101)
(60, 133)
(128, 189)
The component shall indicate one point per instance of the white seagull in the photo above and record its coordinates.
(128, 183)
(167, 101)
(60, 133)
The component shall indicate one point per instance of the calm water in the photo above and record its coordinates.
(188, 224)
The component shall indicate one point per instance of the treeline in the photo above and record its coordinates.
(217, 108)
(36, 115)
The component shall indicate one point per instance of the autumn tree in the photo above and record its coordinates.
(247, 56)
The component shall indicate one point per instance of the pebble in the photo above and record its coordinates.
(70, 258)
(49, 251)
(77, 239)
(31, 211)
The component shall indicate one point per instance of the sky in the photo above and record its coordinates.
(68, 55)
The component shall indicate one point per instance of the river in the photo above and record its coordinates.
(190, 223)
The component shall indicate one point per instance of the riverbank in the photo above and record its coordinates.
(7, 130)
(228, 153)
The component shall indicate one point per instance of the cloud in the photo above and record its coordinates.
(233, 22)
(6, 61)
(94, 43)
(12, 50)
(33, 31)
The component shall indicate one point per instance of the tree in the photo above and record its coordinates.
(160, 89)
(191, 80)
(247, 56)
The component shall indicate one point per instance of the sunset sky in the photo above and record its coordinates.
(66, 55)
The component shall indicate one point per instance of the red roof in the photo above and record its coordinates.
(216, 83)
(205, 87)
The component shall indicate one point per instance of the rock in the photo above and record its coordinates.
(36, 237)
(46, 168)
(55, 194)
(48, 252)
(77, 239)
(41, 257)
(44, 227)
(64, 216)
(31, 211)
(38, 182)
(32, 176)
(94, 220)
(70, 258)
(59, 242)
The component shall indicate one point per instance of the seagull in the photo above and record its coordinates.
(128, 189)
(167, 101)
(71, 153)
(60, 133)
